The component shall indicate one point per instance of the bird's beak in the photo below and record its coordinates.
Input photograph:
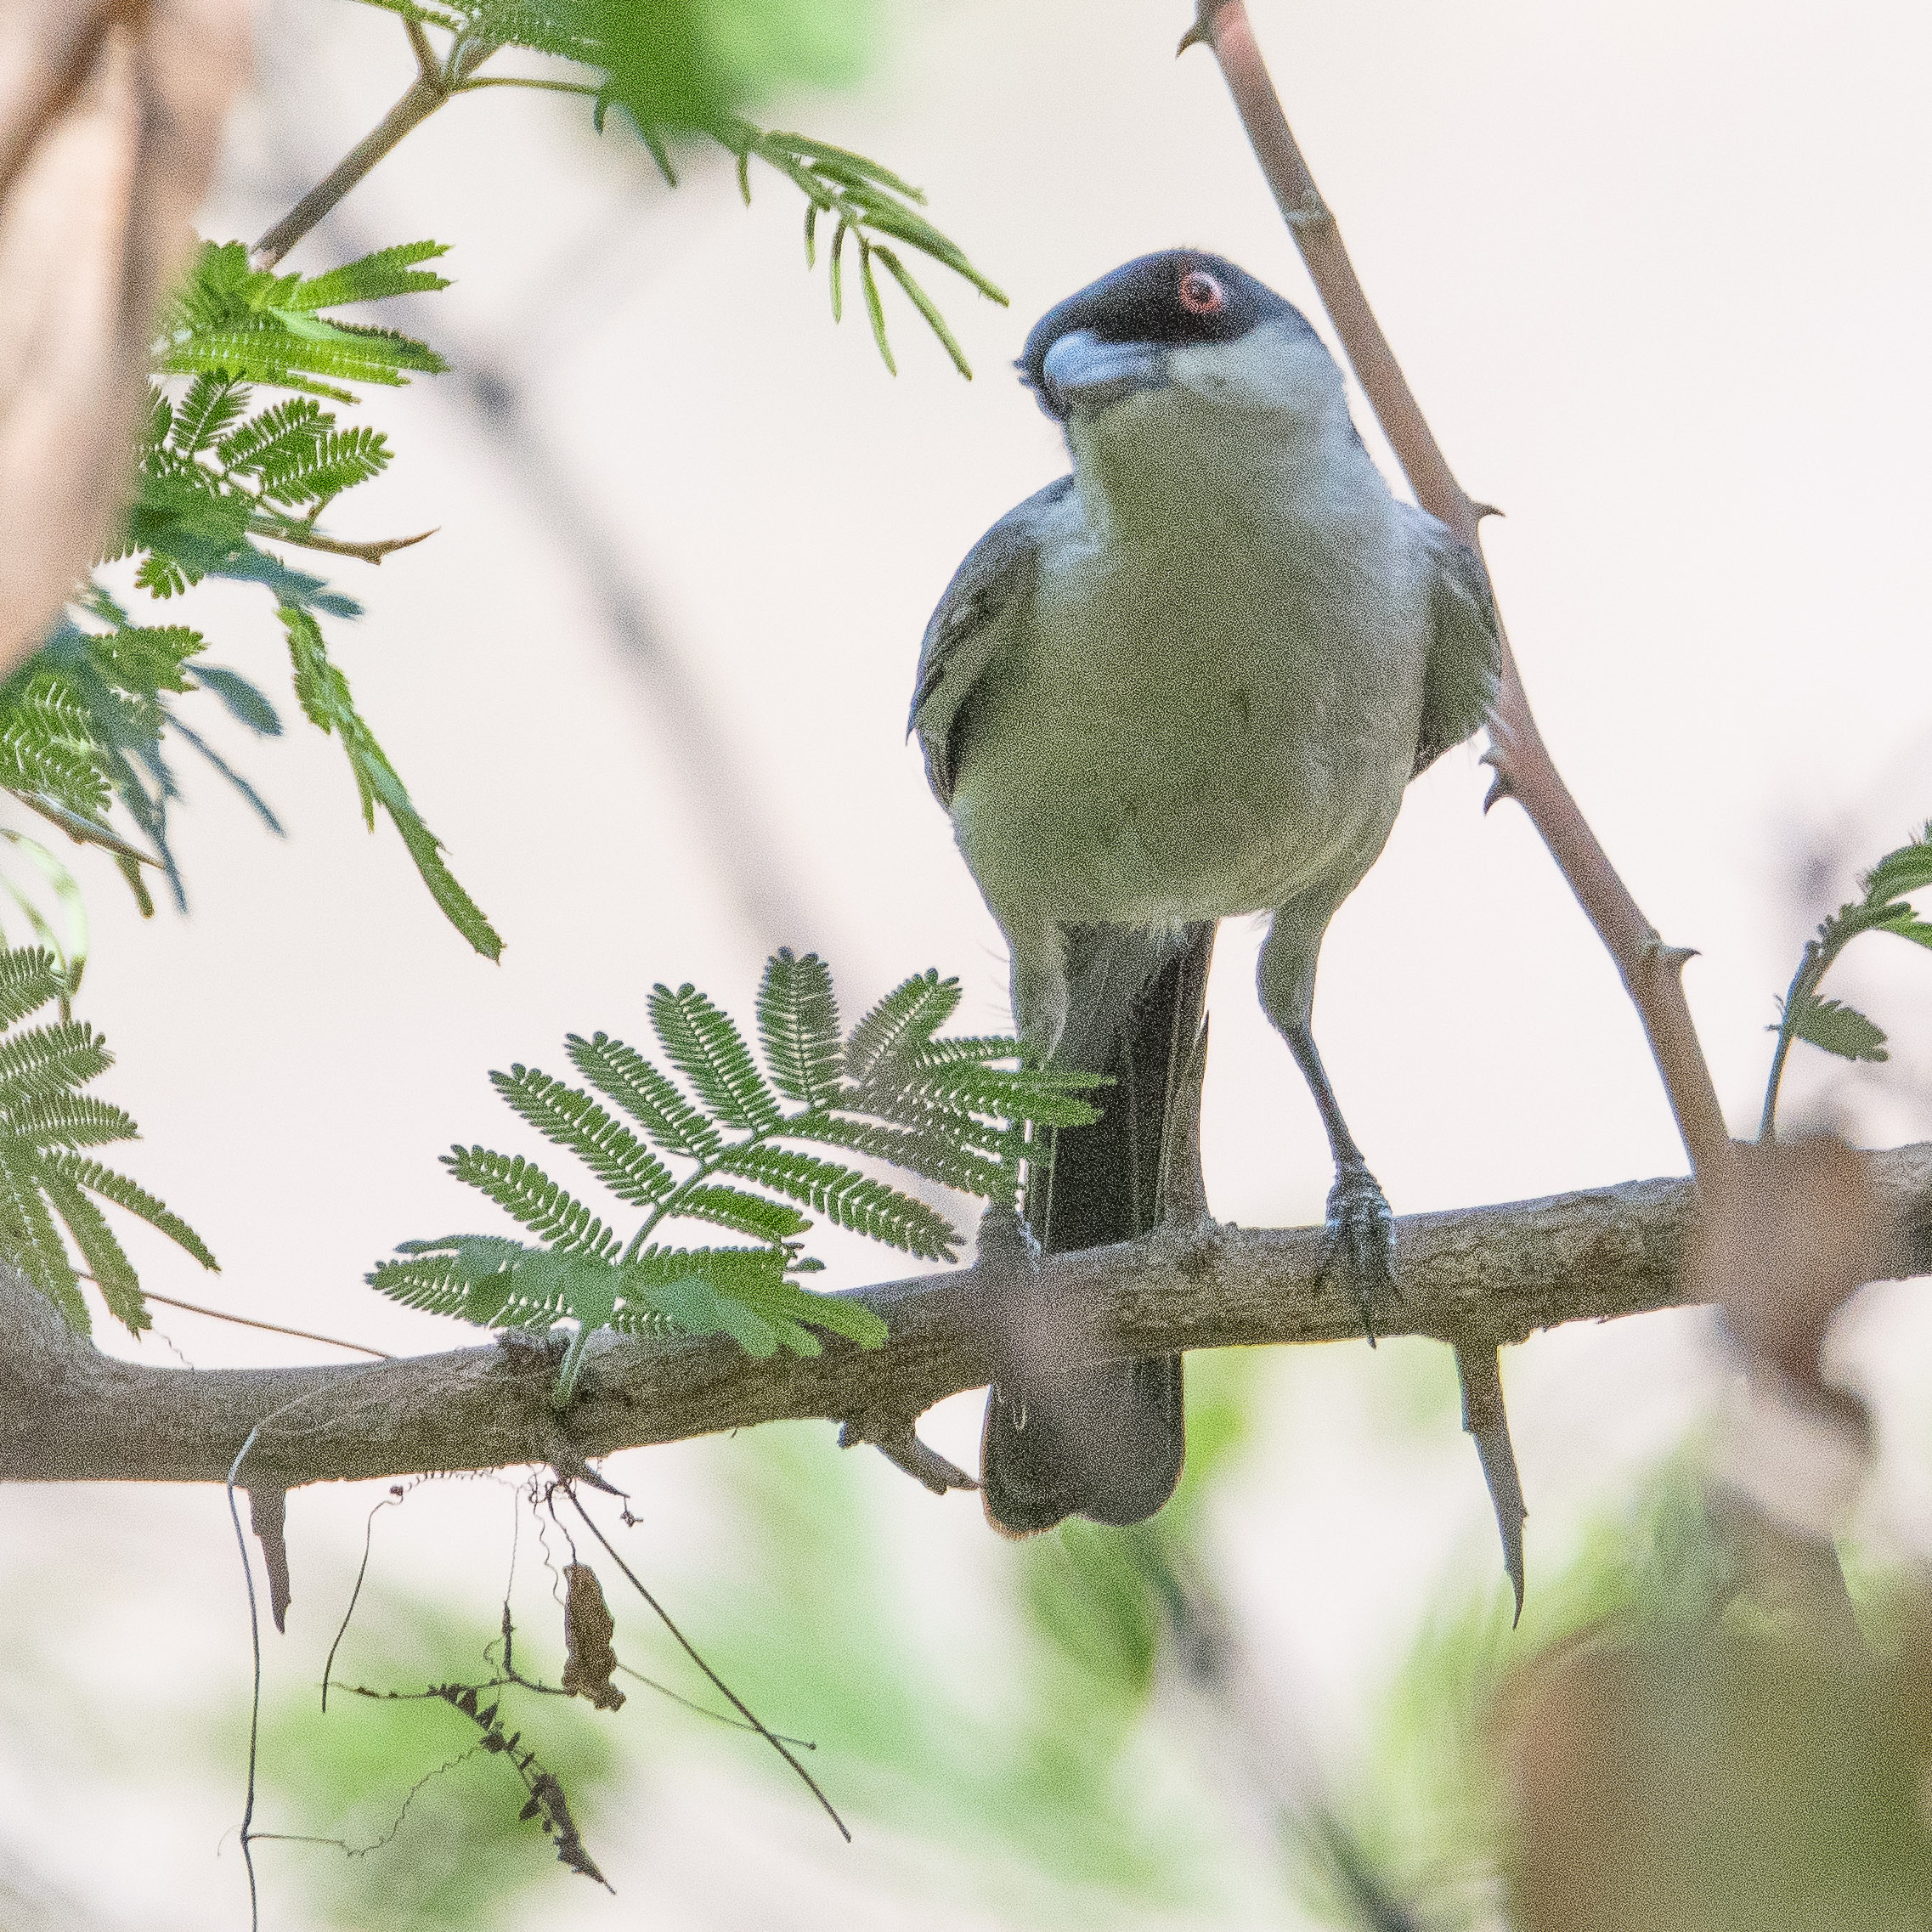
(1084, 375)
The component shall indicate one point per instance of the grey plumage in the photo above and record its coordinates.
(1189, 681)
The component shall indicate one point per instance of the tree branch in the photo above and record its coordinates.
(433, 86)
(1652, 971)
(1473, 1276)
(373, 552)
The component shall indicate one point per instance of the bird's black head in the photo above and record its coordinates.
(1180, 298)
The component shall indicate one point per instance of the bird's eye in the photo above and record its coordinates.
(1202, 294)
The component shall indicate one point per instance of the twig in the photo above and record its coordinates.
(737, 1704)
(388, 1502)
(1651, 970)
(433, 85)
(336, 546)
(255, 1646)
(521, 81)
(273, 1327)
(705, 1710)
(342, 1845)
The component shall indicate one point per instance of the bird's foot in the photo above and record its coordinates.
(1359, 1238)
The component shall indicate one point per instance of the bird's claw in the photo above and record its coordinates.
(1359, 1236)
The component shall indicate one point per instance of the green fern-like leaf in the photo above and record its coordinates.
(625, 1078)
(471, 1276)
(323, 693)
(798, 1023)
(789, 1309)
(570, 1118)
(1041, 1097)
(47, 1062)
(908, 1015)
(46, 746)
(732, 1271)
(147, 658)
(433, 1283)
(965, 1154)
(44, 1120)
(211, 405)
(690, 1302)
(134, 1199)
(743, 1292)
(744, 1213)
(849, 1199)
(372, 278)
(29, 1238)
(246, 325)
(29, 979)
(339, 460)
(1839, 1029)
(981, 1049)
(705, 1046)
(297, 359)
(107, 1260)
(63, 1120)
(298, 454)
(1902, 873)
(530, 1195)
(957, 1111)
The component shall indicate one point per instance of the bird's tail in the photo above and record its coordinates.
(1107, 1443)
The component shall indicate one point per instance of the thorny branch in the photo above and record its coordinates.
(1471, 1276)
(1651, 970)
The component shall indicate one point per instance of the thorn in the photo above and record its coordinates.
(898, 1444)
(1479, 510)
(1478, 1367)
(1675, 957)
(1202, 33)
(564, 1456)
(1499, 786)
(267, 1516)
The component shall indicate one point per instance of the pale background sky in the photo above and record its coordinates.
(1657, 276)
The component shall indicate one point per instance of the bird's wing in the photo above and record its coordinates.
(1466, 654)
(964, 633)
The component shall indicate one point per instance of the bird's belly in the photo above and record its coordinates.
(1230, 731)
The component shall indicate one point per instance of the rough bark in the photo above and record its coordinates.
(1482, 1275)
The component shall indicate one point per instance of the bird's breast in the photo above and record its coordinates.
(1208, 705)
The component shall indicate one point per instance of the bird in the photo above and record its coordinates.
(1189, 681)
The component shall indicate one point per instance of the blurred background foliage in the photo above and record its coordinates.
(685, 64)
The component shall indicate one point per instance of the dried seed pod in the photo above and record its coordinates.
(588, 1625)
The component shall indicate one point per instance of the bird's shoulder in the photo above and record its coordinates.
(964, 632)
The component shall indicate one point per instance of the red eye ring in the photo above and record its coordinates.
(1202, 294)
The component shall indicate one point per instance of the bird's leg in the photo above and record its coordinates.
(1361, 1232)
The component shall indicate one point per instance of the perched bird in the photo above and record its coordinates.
(1190, 680)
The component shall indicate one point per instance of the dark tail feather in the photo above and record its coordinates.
(1107, 1443)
